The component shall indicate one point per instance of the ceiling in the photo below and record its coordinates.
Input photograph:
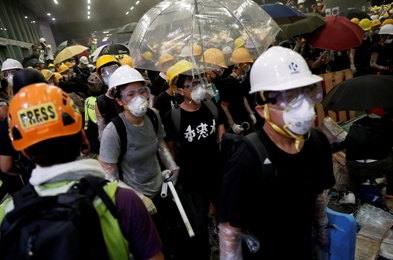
(75, 11)
(106, 17)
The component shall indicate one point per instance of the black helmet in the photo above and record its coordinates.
(26, 77)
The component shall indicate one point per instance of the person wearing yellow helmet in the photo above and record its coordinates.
(162, 96)
(180, 122)
(54, 140)
(234, 95)
(356, 54)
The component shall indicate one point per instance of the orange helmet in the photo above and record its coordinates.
(39, 112)
(127, 60)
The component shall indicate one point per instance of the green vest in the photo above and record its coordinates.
(90, 112)
(117, 245)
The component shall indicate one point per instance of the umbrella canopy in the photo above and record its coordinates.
(355, 13)
(110, 49)
(361, 93)
(69, 52)
(304, 26)
(283, 14)
(195, 25)
(338, 34)
(128, 28)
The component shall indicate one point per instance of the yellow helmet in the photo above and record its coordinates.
(51, 65)
(214, 56)
(47, 74)
(127, 60)
(355, 20)
(63, 68)
(58, 76)
(375, 23)
(164, 58)
(241, 55)
(105, 60)
(387, 21)
(69, 64)
(179, 68)
(147, 55)
(57, 115)
(239, 42)
(365, 24)
(188, 52)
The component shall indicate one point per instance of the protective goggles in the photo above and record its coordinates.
(108, 70)
(131, 93)
(291, 98)
(8, 72)
(197, 82)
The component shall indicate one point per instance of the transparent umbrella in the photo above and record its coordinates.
(186, 28)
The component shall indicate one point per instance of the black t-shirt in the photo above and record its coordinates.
(276, 207)
(158, 85)
(198, 155)
(233, 92)
(6, 147)
(384, 58)
(163, 102)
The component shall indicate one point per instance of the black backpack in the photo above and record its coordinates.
(64, 226)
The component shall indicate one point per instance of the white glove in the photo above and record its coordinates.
(174, 177)
(253, 118)
(237, 129)
(353, 68)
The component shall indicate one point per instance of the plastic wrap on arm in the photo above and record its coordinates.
(166, 156)
(230, 243)
(321, 219)
(110, 171)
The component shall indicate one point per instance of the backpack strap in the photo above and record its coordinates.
(121, 131)
(212, 107)
(101, 105)
(92, 186)
(175, 115)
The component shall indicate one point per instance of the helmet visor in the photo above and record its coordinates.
(108, 70)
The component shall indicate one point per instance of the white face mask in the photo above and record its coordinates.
(388, 41)
(209, 92)
(138, 106)
(10, 80)
(198, 94)
(300, 119)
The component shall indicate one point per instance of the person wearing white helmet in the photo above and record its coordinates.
(139, 168)
(378, 59)
(46, 53)
(286, 92)
(8, 70)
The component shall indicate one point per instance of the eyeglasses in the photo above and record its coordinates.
(140, 91)
(108, 70)
(291, 98)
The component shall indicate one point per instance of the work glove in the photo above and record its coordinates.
(253, 118)
(353, 68)
(237, 129)
(174, 177)
(149, 205)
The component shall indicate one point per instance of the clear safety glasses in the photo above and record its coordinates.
(8, 72)
(197, 82)
(108, 70)
(129, 94)
(291, 98)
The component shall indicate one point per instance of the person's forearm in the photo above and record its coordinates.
(230, 242)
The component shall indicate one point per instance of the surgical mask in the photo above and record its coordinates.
(248, 69)
(198, 94)
(388, 41)
(299, 119)
(138, 106)
(71, 70)
(65, 76)
(106, 80)
(73, 63)
(209, 91)
(10, 80)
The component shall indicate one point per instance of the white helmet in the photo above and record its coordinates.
(42, 40)
(124, 75)
(386, 29)
(301, 2)
(84, 60)
(10, 64)
(279, 69)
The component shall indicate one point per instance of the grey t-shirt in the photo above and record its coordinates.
(141, 169)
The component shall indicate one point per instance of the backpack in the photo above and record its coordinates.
(63, 226)
(121, 131)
